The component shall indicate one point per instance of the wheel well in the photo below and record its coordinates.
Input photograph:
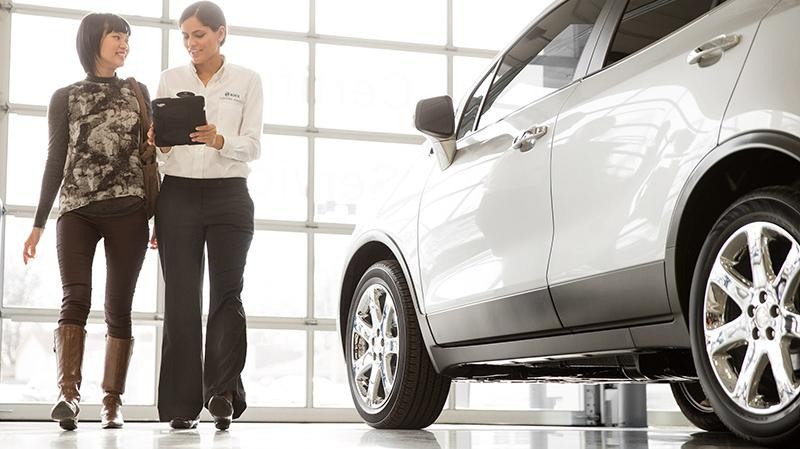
(729, 179)
(362, 259)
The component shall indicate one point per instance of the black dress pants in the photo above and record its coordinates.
(193, 215)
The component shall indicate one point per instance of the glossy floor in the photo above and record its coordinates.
(41, 435)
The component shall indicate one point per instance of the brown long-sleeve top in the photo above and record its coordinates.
(94, 130)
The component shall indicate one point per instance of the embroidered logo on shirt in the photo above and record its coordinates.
(232, 96)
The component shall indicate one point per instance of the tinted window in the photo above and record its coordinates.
(646, 21)
(474, 104)
(543, 60)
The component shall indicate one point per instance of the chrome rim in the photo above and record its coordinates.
(750, 318)
(375, 346)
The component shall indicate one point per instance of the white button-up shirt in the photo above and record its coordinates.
(234, 103)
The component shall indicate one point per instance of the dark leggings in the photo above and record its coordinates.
(125, 240)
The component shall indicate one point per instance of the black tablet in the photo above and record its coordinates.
(175, 118)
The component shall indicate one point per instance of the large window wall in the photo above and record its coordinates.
(341, 78)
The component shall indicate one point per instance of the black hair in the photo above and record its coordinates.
(93, 28)
(208, 13)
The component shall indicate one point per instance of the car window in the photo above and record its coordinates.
(543, 60)
(646, 21)
(474, 104)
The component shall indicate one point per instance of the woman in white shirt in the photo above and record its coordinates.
(204, 203)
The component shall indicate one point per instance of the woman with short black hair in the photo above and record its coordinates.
(204, 205)
(93, 160)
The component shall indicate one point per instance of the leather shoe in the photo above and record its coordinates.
(221, 408)
(183, 423)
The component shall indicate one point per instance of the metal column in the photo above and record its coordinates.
(616, 405)
(632, 405)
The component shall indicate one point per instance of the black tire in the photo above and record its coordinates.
(778, 206)
(695, 406)
(418, 392)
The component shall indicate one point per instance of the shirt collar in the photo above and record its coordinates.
(218, 74)
(102, 79)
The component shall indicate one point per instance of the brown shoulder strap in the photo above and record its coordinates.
(142, 106)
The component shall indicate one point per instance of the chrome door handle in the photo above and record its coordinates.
(710, 52)
(527, 139)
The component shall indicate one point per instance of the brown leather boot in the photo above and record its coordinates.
(118, 357)
(69, 340)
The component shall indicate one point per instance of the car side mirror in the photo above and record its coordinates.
(435, 118)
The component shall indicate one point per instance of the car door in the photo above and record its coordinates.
(627, 140)
(485, 222)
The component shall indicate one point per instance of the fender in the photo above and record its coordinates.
(377, 236)
(767, 140)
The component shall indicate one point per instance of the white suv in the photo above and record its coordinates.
(617, 199)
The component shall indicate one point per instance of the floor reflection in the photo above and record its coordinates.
(32, 435)
(583, 438)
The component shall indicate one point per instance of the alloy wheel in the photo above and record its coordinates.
(750, 318)
(375, 347)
